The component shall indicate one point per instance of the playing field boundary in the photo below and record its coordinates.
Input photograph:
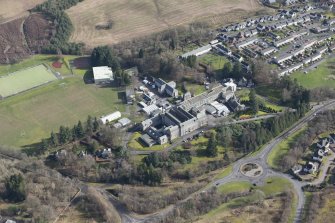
(25, 80)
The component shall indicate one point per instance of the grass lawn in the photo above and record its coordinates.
(272, 187)
(326, 214)
(25, 79)
(225, 172)
(270, 105)
(28, 117)
(272, 93)
(192, 87)
(282, 149)
(323, 76)
(136, 145)
(243, 209)
(43, 59)
(238, 186)
(214, 60)
(195, 88)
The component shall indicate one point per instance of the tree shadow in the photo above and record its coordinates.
(88, 77)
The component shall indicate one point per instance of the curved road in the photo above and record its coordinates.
(259, 158)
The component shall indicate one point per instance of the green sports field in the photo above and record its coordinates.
(25, 79)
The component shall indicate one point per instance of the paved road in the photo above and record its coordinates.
(261, 159)
(236, 175)
(323, 171)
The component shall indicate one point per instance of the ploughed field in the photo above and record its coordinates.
(111, 21)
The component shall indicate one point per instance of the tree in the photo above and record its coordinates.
(44, 144)
(254, 106)
(53, 139)
(191, 61)
(212, 150)
(79, 130)
(227, 70)
(237, 71)
(96, 125)
(262, 74)
(89, 125)
(141, 53)
(225, 156)
(103, 56)
(64, 134)
(15, 188)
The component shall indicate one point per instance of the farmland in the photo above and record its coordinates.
(143, 17)
(14, 9)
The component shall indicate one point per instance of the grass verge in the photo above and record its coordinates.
(282, 149)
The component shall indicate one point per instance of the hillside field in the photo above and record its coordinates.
(130, 19)
(11, 9)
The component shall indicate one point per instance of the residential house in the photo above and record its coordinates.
(281, 59)
(296, 168)
(268, 51)
(311, 167)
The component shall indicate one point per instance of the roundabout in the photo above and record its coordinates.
(251, 170)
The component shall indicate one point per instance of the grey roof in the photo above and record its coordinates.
(270, 49)
(170, 90)
(147, 140)
(210, 109)
(159, 81)
(196, 51)
(124, 121)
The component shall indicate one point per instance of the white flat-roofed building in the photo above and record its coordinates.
(124, 121)
(103, 75)
(198, 52)
(111, 117)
